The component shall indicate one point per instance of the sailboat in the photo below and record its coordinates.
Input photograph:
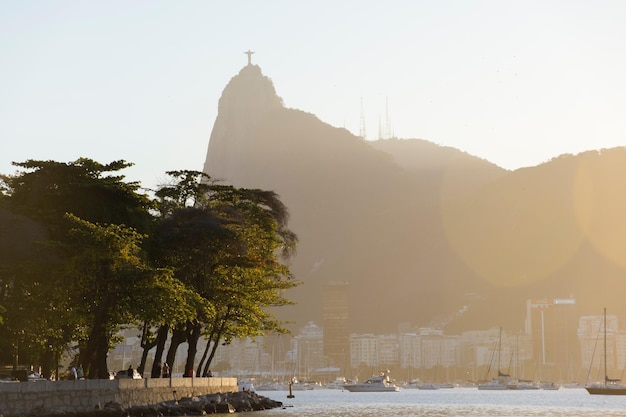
(520, 384)
(610, 386)
(502, 381)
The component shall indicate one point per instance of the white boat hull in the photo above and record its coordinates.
(379, 383)
(370, 388)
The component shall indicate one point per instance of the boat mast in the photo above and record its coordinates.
(605, 374)
(499, 349)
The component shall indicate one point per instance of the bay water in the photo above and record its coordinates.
(462, 402)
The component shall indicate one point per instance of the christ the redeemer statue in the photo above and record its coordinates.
(249, 53)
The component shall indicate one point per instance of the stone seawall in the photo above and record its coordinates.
(51, 397)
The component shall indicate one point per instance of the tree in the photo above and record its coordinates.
(42, 195)
(113, 287)
(226, 243)
(216, 262)
(184, 241)
(36, 324)
(105, 273)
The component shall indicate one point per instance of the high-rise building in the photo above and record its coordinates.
(307, 351)
(410, 350)
(335, 323)
(372, 350)
(364, 350)
(553, 327)
(592, 334)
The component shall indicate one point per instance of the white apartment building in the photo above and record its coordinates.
(307, 351)
(591, 341)
(373, 350)
(364, 350)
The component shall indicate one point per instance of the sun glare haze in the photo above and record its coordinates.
(515, 83)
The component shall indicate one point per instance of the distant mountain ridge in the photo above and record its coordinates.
(422, 157)
(423, 232)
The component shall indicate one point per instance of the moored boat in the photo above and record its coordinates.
(338, 383)
(550, 386)
(522, 385)
(428, 386)
(498, 384)
(414, 384)
(610, 386)
(502, 381)
(377, 383)
(272, 386)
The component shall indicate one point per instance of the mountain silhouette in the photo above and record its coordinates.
(423, 233)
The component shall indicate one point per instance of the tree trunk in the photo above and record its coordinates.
(200, 371)
(211, 356)
(145, 346)
(194, 335)
(158, 356)
(179, 336)
(101, 354)
(97, 348)
(97, 345)
(217, 335)
(205, 371)
(47, 361)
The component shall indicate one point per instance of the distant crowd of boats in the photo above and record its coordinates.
(383, 383)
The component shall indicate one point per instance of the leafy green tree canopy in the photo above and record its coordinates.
(88, 189)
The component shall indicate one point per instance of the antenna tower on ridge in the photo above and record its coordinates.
(385, 131)
(388, 130)
(362, 132)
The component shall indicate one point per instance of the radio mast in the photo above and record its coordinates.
(362, 132)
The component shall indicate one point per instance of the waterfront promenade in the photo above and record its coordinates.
(57, 397)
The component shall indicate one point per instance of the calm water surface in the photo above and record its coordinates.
(468, 402)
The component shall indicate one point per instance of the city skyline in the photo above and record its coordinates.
(429, 354)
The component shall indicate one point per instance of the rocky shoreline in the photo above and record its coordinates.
(224, 403)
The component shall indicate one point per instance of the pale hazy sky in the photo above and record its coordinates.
(514, 82)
